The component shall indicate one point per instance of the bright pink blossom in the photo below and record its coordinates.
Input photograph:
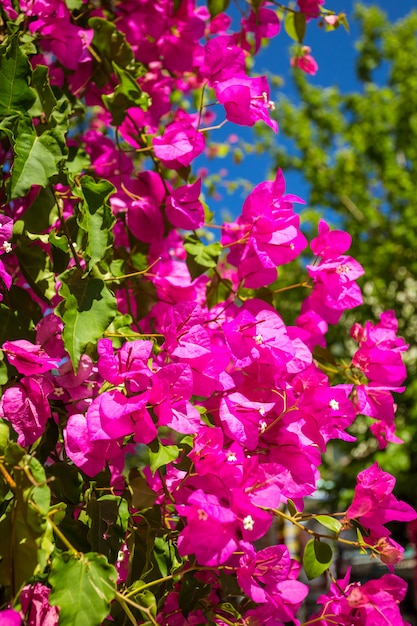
(180, 144)
(374, 504)
(28, 358)
(26, 406)
(311, 8)
(375, 602)
(246, 100)
(36, 607)
(305, 61)
(183, 207)
(10, 617)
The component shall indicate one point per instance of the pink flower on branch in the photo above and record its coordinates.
(180, 144)
(183, 207)
(374, 504)
(305, 62)
(246, 100)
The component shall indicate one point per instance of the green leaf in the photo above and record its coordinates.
(36, 268)
(162, 456)
(87, 309)
(111, 47)
(36, 158)
(192, 590)
(15, 71)
(40, 215)
(295, 25)
(96, 217)
(323, 355)
(292, 509)
(82, 587)
(143, 497)
(317, 558)
(109, 518)
(200, 257)
(74, 5)
(127, 94)
(4, 434)
(329, 522)
(147, 600)
(23, 548)
(166, 555)
(40, 81)
(217, 6)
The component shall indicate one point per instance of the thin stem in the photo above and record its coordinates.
(144, 609)
(61, 535)
(9, 480)
(303, 284)
(217, 127)
(289, 518)
(138, 273)
(152, 583)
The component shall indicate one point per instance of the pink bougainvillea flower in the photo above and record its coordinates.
(305, 61)
(268, 577)
(180, 144)
(330, 243)
(90, 456)
(66, 41)
(222, 60)
(376, 401)
(374, 504)
(143, 200)
(206, 517)
(375, 602)
(311, 8)
(246, 100)
(129, 365)
(183, 207)
(384, 433)
(10, 617)
(264, 24)
(26, 406)
(36, 607)
(28, 358)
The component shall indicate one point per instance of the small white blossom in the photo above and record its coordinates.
(248, 522)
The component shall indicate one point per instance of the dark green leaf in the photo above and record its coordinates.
(295, 26)
(82, 588)
(96, 217)
(166, 555)
(36, 268)
(87, 308)
(24, 546)
(40, 215)
(111, 47)
(192, 590)
(200, 257)
(317, 558)
(15, 72)
(127, 94)
(40, 81)
(143, 496)
(109, 518)
(36, 158)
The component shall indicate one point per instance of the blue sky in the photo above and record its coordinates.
(335, 54)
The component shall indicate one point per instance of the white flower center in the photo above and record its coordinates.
(248, 522)
(333, 404)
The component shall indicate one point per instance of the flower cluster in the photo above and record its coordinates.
(154, 369)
